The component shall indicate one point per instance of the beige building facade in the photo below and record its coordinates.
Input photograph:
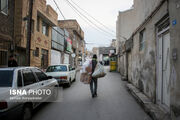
(76, 34)
(6, 31)
(44, 18)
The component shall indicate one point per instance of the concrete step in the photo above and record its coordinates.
(150, 108)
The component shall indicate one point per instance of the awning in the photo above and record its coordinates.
(45, 18)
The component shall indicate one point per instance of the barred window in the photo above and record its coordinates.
(37, 52)
(38, 23)
(4, 6)
(142, 40)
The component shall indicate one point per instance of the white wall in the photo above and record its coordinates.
(128, 21)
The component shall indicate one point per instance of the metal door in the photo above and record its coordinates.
(163, 76)
(159, 71)
(166, 68)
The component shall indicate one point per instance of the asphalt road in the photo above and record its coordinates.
(113, 103)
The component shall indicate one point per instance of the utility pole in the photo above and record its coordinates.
(29, 29)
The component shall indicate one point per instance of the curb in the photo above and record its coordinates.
(154, 111)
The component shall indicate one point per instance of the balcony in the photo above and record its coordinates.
(46, 12)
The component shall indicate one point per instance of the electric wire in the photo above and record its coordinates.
(93, 17)
(90, 20)
(87, 22)
(59, 9)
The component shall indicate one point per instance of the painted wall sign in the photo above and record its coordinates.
(39, 39)
(69, 45)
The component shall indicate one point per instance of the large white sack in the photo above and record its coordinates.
(99, 71)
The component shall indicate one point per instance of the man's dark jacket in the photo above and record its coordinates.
(12, 63)
(94, 63)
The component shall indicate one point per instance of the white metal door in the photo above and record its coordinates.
(55, 57)
(159, 74)
(166, 68)
(163, 76)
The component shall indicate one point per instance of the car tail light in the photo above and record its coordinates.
(3, 105)
(63, 78)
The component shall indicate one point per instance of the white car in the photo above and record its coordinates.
(64, 73)
(16, 101)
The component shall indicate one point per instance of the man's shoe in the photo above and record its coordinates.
(93, 95)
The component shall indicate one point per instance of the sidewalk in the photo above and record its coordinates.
(152, 109)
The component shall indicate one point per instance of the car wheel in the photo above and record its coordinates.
(69, 84)
(27, 112)
(75, 79)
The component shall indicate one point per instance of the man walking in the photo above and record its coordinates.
(93, 83)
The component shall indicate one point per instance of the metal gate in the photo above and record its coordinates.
(4, 47)
(3, 58)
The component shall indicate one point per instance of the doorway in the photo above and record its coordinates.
(3, 58)
(44, 59)
(163, 67)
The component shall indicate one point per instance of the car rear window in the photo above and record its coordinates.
(6, 78)
(61, 68)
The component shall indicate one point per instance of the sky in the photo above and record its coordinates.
(105, 11)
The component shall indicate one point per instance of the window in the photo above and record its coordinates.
(28, 77)
(36, 52)
(37, 25)
(57, 39)
(4, 6)
(41, 76)
(70, 68)
(142, 40)
(45, 29)
(60, 68)
(74, 37)
(19, 79)
(3, 56)
(26, 26)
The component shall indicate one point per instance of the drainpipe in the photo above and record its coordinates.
(28, 44)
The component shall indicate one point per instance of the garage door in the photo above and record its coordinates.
(55, 57)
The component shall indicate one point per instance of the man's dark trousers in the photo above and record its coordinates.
(93, 86)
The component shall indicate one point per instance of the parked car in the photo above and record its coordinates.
(23, 78)
(64, 73)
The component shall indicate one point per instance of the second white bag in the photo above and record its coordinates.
(99, 71)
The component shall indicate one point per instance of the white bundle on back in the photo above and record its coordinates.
(99, 71)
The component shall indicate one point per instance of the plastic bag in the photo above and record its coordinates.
(99, 71)
(87, 67)
(86, 72)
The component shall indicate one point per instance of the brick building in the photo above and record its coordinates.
(77, 36)
(6, 30)
(44, 18)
